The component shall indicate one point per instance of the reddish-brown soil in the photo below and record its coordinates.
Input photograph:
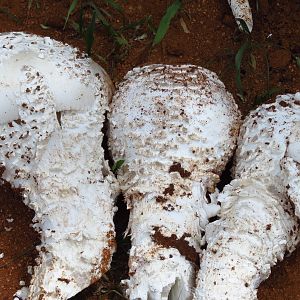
(17, 242)
(211, 40)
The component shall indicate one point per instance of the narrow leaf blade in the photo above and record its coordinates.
(115, 5)
(238, 62)
(297, 61)
(118, 164)
(165, 21)
(70, 11)
(89, 37)
(243, 26)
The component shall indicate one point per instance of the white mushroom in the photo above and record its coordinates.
(291, 162)
(52, 111)
(241, 10)
(257, 224)
(175, 127)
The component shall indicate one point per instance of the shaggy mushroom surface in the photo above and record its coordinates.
(53, 101)
(175, 127)
(257, 225)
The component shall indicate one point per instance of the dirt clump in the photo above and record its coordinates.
(280, 58)
(181, 244)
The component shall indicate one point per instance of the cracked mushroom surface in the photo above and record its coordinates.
(242, 10)
(53, 102)
(175, 127)
(257, 225)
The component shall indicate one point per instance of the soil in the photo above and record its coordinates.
(203, 33)
(182, 245)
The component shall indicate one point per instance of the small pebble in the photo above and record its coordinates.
(30, 270)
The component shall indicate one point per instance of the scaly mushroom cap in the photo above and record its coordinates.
(176, 127)
(269, 140)
(172, 122)
(52, 111)
(241, 10)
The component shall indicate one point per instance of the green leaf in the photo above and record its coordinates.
(115, 5)
(6, 11)
(136, 25)
(121, 41)
(37, 4)
(80, 23)
(118, 164)
(118, 38)
(243, 26)
(266, 95)
(70, 11)
(253, 61)
(297, 58)
(89, 36)
(238, 62)
(99, 15)
(165, 21)
(75, 25)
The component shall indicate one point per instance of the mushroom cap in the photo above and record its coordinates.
(267, 136)
(50, 145)
(171, 122)
(40, 77)
(75, 80)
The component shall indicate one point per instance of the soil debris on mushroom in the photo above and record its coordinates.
(257, 224)
(176, 128)
(53, 102)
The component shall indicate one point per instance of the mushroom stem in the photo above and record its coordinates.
(255, 230)
(175, 127)
(57, 159)
(257, 225)
(165, 250)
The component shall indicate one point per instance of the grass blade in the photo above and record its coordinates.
(243, 26)
(118, 164)
(165, 21)
(297, 59)
(89, 36)
(114, 5)
(80, 23)
(70, 11)
(99, 15)
(6, 11)
(253, 63)
(266, 95)
(118, 37)
(29, 4)
(238, 62)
